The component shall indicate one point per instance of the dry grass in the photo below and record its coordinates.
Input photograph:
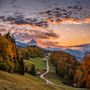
(19, 82)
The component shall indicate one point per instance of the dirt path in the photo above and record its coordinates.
(47, 70)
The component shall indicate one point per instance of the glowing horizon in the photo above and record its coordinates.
(57, 23)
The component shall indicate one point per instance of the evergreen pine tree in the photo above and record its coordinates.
(33, 70)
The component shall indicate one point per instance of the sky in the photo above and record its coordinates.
(50, 22)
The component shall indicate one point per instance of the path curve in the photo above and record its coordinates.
(47, 70)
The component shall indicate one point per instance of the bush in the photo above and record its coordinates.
(29, 67)
(3, 66)
(33, 70)
(11, 66)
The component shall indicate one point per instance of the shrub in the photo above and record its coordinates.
(29, 67)
(33, 70)
(3, 66)
(11, 66)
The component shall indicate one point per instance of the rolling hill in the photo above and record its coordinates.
(19, 82)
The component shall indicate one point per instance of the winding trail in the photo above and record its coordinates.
(46, 80)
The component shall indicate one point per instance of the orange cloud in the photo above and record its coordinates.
(31, 26)
(68, 21)
(49, 42)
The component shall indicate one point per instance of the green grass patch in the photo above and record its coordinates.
(39, 63)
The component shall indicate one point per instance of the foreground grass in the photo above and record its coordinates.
(19, 82)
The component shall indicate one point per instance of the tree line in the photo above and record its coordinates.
(70, 70)
(12, 58)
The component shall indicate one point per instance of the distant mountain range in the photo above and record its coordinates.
(20, 44)
(31, 43)
(83, 47)
(78, 53)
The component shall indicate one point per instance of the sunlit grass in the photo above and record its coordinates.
(22, 82)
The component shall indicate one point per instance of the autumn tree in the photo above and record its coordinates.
(35, 51)
(10, 58)
(82, 75)
(65, 64)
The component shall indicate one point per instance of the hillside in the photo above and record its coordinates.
(19, 82)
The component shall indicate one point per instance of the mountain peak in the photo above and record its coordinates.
(33, 43)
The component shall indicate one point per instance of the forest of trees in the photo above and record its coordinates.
(32, 52)
(35, 52)
(65, 64)
(10, 56)
(82, 75)
(72, 71)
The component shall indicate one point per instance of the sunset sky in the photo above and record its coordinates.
(51, 22)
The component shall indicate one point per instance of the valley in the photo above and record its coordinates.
(34, 68)
(44, 44)
(50, 76)
(29, 82)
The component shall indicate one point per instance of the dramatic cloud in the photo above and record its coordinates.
(20, 20)
(75, 11)
(35, 34)
(51, 34)
(23, 32)
(69, 21)
(48, 42)
(75, 14)
(55, 25)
